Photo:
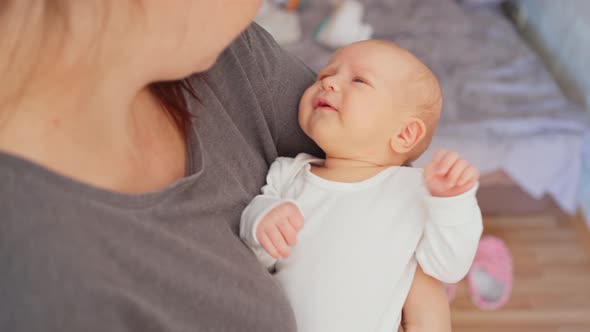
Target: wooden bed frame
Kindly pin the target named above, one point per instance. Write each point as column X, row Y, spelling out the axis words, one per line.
column 498, row 194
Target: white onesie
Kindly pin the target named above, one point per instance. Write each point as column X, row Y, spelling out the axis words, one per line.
column 356, row 255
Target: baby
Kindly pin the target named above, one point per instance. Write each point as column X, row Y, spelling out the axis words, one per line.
column 345, row 234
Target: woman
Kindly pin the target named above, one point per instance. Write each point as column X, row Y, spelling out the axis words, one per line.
column 123, row 182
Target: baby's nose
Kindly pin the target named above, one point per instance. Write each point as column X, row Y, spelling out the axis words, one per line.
column 329, row 83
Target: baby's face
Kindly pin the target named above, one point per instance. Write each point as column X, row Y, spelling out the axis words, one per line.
column 353, row 107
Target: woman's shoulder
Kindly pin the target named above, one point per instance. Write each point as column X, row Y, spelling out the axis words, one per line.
column 258, row 85
column 256, row 49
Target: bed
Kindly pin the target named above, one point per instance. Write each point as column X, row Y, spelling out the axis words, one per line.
column 502, row 108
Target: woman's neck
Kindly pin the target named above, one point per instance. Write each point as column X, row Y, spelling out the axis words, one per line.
column 82, row 130
column 54, row 109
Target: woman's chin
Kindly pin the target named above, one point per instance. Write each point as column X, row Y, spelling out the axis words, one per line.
column 203, row 65
column 207, row 63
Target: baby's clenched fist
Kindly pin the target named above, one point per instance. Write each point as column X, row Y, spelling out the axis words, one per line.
column 449, row 175
column 277, row 231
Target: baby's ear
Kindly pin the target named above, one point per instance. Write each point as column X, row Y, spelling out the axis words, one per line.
column 411, row 132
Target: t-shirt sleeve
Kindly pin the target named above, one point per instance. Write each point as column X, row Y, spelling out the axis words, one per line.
column 286, row 78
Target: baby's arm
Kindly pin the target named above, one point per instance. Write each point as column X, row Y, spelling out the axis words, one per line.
column 426, row 307
column 453, row 224
column 269, row 224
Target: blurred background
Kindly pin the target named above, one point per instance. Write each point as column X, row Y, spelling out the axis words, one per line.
column 516, row 86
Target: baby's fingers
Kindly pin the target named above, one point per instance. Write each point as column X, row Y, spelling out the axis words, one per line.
column 471, row 174
column 438, row 155
column 278, row 241
column 456, row 171
column 446, row 162
column 296, row 220
column 266, row 243
column 429, row 171
column 289, row 233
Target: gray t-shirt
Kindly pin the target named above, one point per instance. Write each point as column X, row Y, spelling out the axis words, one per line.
column 77, row 258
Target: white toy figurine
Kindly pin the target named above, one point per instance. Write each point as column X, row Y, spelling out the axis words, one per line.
column 283, row 25
column 344, row 26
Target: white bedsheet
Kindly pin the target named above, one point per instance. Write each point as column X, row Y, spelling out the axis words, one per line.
column 549, row 164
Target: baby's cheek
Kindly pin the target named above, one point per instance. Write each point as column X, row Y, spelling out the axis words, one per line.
column 305, row 98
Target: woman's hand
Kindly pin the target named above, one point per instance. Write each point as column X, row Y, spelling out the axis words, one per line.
column 449, row 175
column 278, row 230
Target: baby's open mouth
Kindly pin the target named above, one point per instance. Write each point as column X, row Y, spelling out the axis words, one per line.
column 324, row 104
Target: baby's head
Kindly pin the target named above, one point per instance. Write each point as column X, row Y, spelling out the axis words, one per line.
column 373, row 101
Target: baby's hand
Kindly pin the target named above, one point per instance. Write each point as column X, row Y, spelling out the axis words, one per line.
column 278, row 229
column 449, row 175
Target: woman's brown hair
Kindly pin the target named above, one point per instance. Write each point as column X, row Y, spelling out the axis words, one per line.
column 173, row 95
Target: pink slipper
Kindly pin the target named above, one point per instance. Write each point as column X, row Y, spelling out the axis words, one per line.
column 451, row 290
column 490, row 277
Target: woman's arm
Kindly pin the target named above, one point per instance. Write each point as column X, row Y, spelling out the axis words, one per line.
column 426, row 307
